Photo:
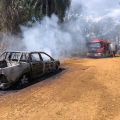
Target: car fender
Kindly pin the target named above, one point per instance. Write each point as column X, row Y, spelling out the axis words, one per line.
column 14, row 72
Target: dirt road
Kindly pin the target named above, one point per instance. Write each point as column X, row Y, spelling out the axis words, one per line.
column 88, row 89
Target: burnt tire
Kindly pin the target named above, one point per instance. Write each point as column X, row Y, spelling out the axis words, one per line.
column 4, row 83
column 3, row 79
column 24, row 79
column 56, row 69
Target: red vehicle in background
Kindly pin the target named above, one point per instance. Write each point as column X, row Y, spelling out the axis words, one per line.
column 101, row 48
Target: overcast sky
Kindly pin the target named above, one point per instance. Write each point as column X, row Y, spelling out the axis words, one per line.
column 98, row 7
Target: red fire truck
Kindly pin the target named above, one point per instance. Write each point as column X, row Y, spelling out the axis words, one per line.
column 101, row 48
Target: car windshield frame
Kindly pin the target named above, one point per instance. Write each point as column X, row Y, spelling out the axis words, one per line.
column 11, row 56
column 3, row 56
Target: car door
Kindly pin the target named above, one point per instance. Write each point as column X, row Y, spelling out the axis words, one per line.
column 36, row 65
column 48, row 61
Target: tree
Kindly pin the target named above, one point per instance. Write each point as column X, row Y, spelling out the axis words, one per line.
column 16, row 12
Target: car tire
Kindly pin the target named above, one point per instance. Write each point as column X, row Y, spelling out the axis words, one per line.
column 57, row 68
column 4, row 80
column 24, row 79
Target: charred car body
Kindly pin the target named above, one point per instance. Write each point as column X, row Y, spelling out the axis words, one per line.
column 17, row 67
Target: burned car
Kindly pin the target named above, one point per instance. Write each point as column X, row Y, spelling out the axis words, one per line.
column 18, row 67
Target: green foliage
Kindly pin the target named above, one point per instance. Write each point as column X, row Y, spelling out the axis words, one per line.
column 16, row 12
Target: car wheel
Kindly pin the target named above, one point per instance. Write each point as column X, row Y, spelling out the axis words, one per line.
column 22, row 81
column 56, row 68
column 4, row 83
column 103, row 55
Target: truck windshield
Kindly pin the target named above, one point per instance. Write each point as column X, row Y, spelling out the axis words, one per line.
column 94, row 45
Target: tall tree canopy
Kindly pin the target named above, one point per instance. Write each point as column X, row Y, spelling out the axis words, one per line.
column 16, row 12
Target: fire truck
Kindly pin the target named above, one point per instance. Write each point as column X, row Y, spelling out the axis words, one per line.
column 101, row 48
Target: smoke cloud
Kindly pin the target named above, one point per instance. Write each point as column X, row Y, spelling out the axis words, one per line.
column 85, row 20
column 58, row 39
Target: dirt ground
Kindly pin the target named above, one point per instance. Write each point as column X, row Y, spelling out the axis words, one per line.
column 86, row 89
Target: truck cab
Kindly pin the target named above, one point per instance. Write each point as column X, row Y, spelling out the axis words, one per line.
column 99, row 48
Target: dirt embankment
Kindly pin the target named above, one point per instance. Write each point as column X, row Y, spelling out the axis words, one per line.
column 88, row 89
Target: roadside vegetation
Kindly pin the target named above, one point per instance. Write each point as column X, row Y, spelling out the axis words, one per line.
column 18, row 12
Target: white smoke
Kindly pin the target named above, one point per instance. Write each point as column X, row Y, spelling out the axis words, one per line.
column 9, row 42
column 47, row 36
column 86, row 19
column 58, row 39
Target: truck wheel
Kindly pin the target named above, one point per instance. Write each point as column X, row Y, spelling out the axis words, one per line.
column 103, row 55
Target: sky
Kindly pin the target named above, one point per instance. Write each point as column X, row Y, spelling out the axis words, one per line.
column 98, row 7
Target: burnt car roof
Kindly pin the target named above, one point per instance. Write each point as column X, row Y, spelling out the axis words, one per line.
column 23, row 52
